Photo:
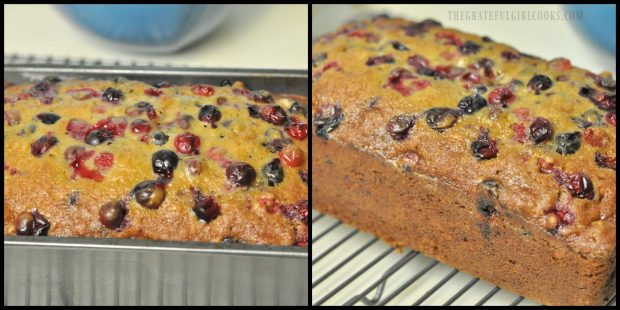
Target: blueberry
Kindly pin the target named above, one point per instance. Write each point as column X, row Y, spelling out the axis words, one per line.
column 209, row 114
column 568, row 143
column 240, row 174
column 469, row 47
column 98, row 136
column 164, row 162
column 48, row 118
column 399, row 126
column 273, row 172
column 327, row 119
column 472, row 104
column 112, row 95
column 539, row 83
column 111, row 214
column 441, row 118
column 160, row 138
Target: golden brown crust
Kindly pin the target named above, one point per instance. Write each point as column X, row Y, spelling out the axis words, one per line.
column 70, row 201
column 410, row 95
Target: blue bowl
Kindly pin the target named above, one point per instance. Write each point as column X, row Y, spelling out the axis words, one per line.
column 599, row 23
column 161, row 27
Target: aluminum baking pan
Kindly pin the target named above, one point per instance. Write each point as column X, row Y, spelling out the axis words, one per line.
column 94, row 271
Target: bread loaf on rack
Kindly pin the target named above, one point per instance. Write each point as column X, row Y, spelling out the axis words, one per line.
column 124, row 159
column 493, row 161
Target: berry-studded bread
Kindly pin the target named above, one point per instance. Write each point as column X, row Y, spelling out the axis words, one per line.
column 124, row 159
column 496, row 162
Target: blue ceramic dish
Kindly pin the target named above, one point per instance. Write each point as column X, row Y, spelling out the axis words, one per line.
column 599, row 23
column 157, row 27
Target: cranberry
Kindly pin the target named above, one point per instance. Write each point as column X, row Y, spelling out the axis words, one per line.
column 205, row 207
column 611, row 118
column 140, row 108
column 82, row 93
column 187, row 144
column 240, row 174
column 221, row 100
column 153, row 92
column 113, row 95
column 604, row 101
column 399, row 46
column 291, row 156
column 418, row 62
column 111, row 214
column 104, row 160
column 296, row 129
column 48, row 118
column 210, row 114
column 484, row 147
column 114, row 126
column 159, row 138
column 539, row 83
column 501, row 96
column 564, row 214
column 386, row 59
column 509, row 55
column 472, row 104
column 140, row 126
column 327, row 119
column 520, row 132
column 296, row 211
column 441, row 118
column 568, row 143
column 164, row 162
column 471, row 77
column 560, row 64
column 469, row 47
column 149, row 194
column 273, row 114
column 42, row 145
column 540, row 130
column 77, row 155
column 273, row 172
column 580, row 186
column 450, row 38
column 605, row 162
column 203, row 90
column 399, row 125
column 265, row 96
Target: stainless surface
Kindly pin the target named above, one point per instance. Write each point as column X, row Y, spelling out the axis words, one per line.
column 350, row 267
column 89, row 271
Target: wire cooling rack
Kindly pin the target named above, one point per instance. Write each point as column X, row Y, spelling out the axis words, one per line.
column 350, row 267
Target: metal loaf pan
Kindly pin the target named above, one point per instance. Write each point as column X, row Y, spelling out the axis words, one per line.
column 92, row 271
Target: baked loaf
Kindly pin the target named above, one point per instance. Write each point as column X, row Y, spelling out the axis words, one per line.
column 496, row 162
column 124, row 159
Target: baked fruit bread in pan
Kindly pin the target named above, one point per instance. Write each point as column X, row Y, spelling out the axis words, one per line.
column 493, row 161
column 124, row 159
